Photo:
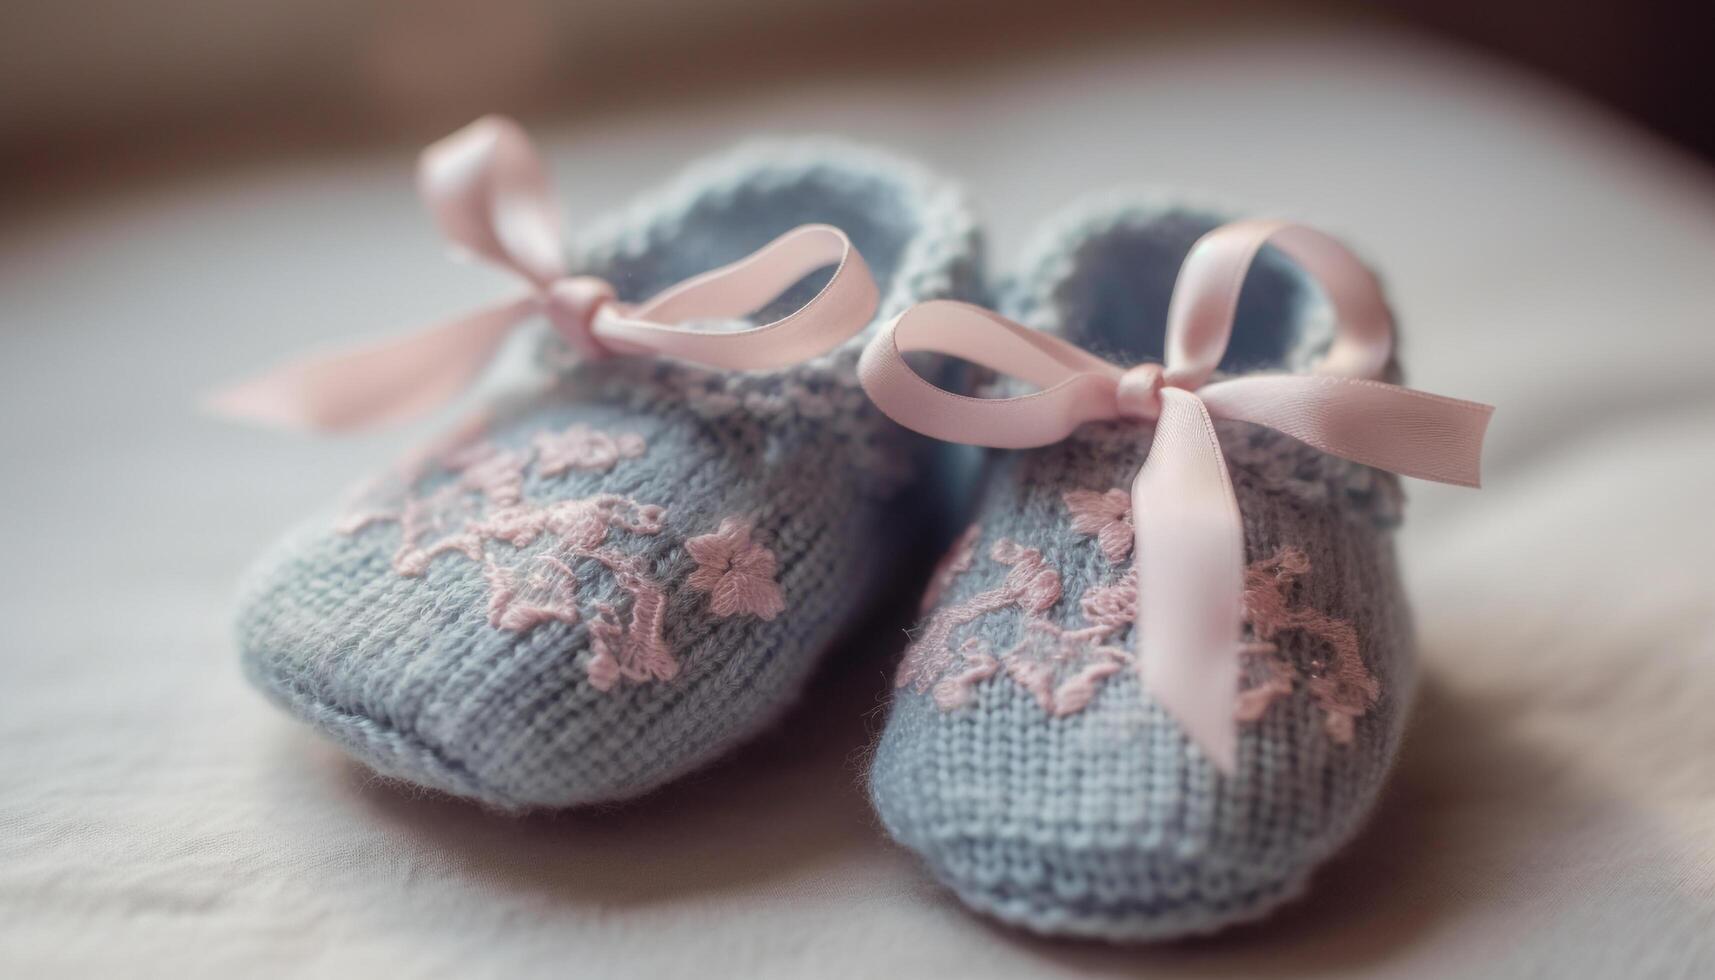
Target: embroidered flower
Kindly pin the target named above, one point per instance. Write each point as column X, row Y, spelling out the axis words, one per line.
column 540, row 589
column 543, row 587
column 474, row 506
column 1034, row 586
column 736, row 572
column 1107, row 516
column 955, row 690
column 1063, row 666
column 583, row 448
column 497, row 474
column 1030, row 586
column 1060, row 667
column 1113, row 605
column 437, row 524
column 1335, row 674
column 517, row 525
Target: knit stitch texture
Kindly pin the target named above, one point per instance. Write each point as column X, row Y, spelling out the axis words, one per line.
column 605, row 583
column 1022, row 761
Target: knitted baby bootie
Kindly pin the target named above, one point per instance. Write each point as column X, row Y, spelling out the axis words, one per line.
column 1088, row 738
column 600, row 585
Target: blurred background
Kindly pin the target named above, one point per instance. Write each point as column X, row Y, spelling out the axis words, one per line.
column 100, row 88
column 193, row 189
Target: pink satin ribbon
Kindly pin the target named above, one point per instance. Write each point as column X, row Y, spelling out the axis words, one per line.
column 1190, row 546
column 489, row 191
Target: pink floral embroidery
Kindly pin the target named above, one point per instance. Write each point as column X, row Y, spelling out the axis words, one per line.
column 736, row 572
column 581, row 525
column 1107, row 516
column 1337, row 678
column 957, row 561
column 1030, row 581
column 531, row 553
column 1063, row 667
column 583, row 448
column 1271, row 680
column 1060, row 667
column 1113, row 605
column 444, row 519
column 437, row 521
column 543, row 590
column 435, row 525
column 495, row 473
column 635, row 651
column 543, row 586
column 954, row 690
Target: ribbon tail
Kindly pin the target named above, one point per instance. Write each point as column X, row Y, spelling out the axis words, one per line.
column 1190, row 566
column 1402, row 430
column 375, row 384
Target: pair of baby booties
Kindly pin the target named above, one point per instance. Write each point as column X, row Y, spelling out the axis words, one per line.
column 693, row 539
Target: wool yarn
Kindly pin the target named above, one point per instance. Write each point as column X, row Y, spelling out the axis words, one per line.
column 1020, row 758
column 600, row 585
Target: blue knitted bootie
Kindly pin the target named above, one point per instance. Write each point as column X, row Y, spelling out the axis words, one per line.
column 1023, row 759
column 604, row 583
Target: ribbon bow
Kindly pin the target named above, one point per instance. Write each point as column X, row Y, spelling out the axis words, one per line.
column 1190, row 546
column 488, row 190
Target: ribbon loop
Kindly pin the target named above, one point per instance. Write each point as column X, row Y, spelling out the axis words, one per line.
column 843, row 307
column 1190, row 547
column 1205, row 300
column 1077, row 387
column 488, row 190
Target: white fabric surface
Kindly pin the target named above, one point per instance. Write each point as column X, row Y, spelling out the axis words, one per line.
column 1554, row 812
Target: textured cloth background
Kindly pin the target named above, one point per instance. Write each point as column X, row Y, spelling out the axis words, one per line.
column 1554, row 809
